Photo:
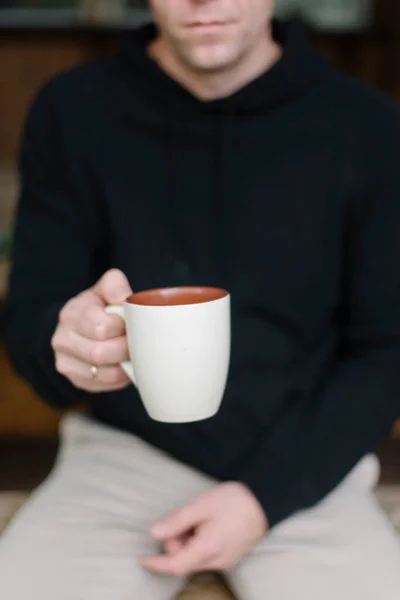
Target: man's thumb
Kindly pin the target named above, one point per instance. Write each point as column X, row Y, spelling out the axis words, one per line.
column 113, row 287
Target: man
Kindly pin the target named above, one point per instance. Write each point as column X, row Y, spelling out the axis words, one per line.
column 215, row 148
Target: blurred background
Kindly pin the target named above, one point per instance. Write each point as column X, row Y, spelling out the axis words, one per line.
column 40, row 37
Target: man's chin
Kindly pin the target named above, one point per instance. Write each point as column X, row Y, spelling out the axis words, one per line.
column 208, row 62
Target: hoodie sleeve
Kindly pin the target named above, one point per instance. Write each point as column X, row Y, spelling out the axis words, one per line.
column 357, row 401
column 54, row 249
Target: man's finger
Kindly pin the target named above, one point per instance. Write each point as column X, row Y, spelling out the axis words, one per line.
column 109, row 352
column 176, row 544
column 95, row 324
column 113, row 287
column 192, row 558
column 72, row 311
column 178, row 522
column 173, row 546
column 108, row 378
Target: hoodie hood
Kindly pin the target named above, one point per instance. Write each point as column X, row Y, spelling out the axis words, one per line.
column 174, row 115
column 299, row 68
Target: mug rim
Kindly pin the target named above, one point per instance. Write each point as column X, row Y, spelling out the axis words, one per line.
column 177, row 296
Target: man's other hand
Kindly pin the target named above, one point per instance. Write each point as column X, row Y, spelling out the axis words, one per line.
column 212, row 533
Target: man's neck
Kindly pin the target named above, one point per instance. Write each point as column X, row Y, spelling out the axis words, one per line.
column 221, row 84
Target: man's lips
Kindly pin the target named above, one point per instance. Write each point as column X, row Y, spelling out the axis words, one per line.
column 208, row 24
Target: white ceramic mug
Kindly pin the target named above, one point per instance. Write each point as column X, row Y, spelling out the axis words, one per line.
column 179, row 343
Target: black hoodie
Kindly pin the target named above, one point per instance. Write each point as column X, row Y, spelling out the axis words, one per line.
column 287, row 193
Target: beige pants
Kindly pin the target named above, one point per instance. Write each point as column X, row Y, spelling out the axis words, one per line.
column 81, row 535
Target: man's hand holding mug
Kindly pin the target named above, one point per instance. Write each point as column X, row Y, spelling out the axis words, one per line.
column 90, row 344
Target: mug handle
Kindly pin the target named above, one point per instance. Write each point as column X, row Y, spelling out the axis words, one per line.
column 126, row 366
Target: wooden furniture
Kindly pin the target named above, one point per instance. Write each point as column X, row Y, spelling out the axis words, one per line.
column 22, row 412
